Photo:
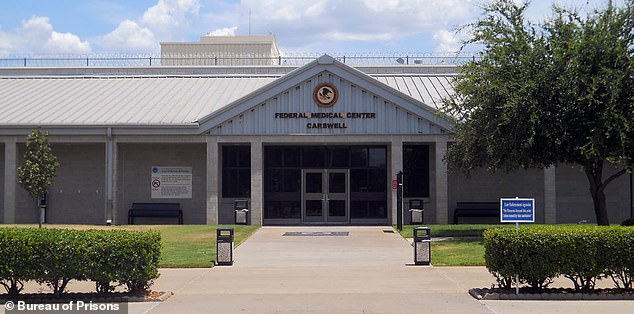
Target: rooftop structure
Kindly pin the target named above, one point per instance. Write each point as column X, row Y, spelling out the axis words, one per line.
column 222, row 50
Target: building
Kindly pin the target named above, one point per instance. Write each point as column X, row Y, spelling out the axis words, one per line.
column 222, row 50
column 316, row 144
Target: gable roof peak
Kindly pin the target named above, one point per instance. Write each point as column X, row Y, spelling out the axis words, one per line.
column 326, row 59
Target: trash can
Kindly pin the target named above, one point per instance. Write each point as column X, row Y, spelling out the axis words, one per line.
column 241, row 209
column 422, row 246
column 416, row 211
column 224, row 246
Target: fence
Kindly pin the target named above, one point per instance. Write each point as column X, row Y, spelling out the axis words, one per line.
column 149, row 61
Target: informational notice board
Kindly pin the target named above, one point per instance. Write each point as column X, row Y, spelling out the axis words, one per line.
column 517, row 210
column 171, row 182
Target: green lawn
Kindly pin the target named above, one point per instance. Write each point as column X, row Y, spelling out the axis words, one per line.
column 187, row 246
column 450, row 230
column 458, row 252
column 464, row 247
column 184, row 246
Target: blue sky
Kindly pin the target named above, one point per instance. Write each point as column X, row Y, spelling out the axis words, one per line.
column 312, row 26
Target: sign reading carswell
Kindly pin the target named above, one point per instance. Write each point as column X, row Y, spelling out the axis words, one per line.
column 326, row 115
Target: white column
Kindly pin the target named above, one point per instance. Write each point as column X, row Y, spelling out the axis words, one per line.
column 212, row 180
column 257, row 201
column 396, row 160
column 10, row 174
column 442, row 209
column 109, row 204
column 550, row 195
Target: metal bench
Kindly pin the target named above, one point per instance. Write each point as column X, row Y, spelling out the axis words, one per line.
column 154, row 210
column 476, row 209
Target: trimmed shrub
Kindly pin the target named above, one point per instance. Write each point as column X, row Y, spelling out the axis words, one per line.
column 57, row 256
column 628, row 222
column 18, row 262
column 537, row 254
column 509, row 253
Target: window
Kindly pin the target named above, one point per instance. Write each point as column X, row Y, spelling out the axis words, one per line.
column 415, row 171
column 236, row 171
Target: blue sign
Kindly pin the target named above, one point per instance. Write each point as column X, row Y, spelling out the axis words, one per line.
column 517, row 210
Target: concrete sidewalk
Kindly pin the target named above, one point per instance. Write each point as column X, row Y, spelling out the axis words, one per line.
column 368, row 271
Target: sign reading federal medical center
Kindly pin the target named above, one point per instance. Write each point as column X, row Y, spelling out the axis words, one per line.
column 517, row 210
column 171, row 182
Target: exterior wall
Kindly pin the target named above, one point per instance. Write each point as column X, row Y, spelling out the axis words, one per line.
column 482, row 186
column 574, row 202
column 1, row 183
column 133, row 179
column 390, row 118
column 77, row 196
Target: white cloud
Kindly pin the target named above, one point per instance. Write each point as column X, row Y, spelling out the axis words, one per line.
column 67, row 43
column 324, row 22
column 129, row 37
column 37, row 36
column 225, row 31
column 446, row 41
column 168, row 17
column 165, row 21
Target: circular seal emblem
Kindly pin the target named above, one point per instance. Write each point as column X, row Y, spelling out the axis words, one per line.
column 325, row 95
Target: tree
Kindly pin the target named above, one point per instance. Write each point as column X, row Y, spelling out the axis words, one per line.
column 39, row 167
column 558, row 92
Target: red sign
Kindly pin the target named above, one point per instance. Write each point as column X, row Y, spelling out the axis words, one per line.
column 394, row 184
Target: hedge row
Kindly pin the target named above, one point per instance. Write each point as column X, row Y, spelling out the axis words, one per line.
column 583, row 254
column 57, row 256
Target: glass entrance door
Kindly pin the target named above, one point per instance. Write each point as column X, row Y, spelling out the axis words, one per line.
column 325, row 196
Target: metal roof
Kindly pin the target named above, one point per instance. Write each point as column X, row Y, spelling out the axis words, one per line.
column 118, row 100
column 163, row 101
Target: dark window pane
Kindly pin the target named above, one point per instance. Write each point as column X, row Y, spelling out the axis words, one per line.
column 313, row 208
column 377, row 157
column 274, row 180
column 314, row 157
column 244, row 183
column 358, row 180
column 416, row 171
column 229, row 157
column 314, row 182
column 229, row 182
column 339, row 157
column 281, row 210
column 336, row 208
column 273, row 157
column 292, row 156
column 359, row 157
column 378, row 180
column 377, row 209
column 336, row 183
column 272, row 209
column 358, row 209
column 421, row 156
column 292, row 178
column 243, row 156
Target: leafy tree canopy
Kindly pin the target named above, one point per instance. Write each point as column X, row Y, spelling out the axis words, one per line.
column 38, row 170
column 561, row 91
